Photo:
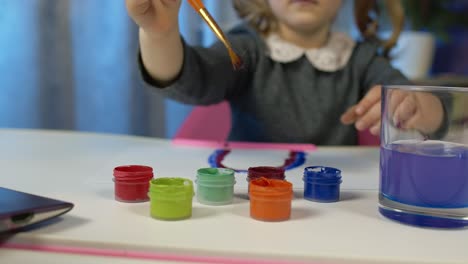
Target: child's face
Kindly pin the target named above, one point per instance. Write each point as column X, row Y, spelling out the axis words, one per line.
column 305, row 15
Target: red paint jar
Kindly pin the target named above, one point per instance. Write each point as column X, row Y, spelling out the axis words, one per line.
column 265, row 172
column 132, row 183
column 270, row 199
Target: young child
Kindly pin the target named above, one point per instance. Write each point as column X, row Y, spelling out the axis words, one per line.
column 300, row 82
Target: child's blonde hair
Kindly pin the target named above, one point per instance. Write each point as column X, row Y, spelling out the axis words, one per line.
column 259, row 15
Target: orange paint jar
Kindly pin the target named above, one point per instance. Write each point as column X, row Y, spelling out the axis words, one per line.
column 270, row 200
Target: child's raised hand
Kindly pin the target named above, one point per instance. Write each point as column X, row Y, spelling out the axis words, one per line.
column 156, row 18
column 407, row 110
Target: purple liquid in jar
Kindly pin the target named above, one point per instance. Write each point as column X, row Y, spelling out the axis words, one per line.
column 425, row 173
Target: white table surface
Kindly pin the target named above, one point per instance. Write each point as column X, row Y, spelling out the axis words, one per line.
column 77, row 167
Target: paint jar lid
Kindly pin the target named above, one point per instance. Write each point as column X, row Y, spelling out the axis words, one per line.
column 215, row 174
column 215, row 177
column 133, row 173
column 171, row 188
column 321, row 174
column 271, row 188
column 266, row 172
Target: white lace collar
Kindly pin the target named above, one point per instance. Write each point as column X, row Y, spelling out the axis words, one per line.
column 332, row 57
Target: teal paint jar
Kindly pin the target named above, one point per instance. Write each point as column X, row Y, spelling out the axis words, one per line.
column 171, row 198
column 215, row 186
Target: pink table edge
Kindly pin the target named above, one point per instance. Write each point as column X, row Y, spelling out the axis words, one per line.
column 141, row 255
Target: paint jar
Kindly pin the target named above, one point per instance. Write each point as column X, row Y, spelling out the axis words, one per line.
column 171, row 198
column 131, row 183
column 215, row 186
column 265, row 172
column 322, row 184
column 270, row 199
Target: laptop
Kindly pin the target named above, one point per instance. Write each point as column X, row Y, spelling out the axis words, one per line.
column 19, row 209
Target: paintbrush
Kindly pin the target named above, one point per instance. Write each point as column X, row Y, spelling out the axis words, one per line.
column 203, row 12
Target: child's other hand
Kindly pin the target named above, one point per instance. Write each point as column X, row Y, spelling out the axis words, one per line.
column 365, row 114
column 156, row 18
column 407, row 110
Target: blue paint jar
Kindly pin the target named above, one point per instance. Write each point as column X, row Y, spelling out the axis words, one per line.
column 322, row 184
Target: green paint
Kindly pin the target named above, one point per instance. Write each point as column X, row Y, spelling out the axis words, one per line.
column 215, row 186
column 171, row 198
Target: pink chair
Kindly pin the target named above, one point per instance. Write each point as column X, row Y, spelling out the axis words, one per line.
column 214, row 123
column 207, row 123
column 365, row 138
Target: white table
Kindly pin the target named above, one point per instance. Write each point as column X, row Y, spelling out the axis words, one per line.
column 77, row 167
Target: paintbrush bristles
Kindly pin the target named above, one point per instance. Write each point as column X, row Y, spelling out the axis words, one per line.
column 196, row 4
column 236, row 61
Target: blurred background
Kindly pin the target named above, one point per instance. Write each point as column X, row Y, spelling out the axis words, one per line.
column 71, row 64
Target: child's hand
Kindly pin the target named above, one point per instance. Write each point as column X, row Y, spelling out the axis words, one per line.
column 155, row 17
column 407, row 110
column 365, row 114
column 421, row 111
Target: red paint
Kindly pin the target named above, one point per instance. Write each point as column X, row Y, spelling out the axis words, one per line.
column 276, row 173
column 132, row 183
column 266, row 172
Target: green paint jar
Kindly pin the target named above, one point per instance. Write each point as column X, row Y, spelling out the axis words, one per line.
column 215, row 186
column 171, row 198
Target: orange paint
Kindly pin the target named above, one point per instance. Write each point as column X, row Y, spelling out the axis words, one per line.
column 270, row 200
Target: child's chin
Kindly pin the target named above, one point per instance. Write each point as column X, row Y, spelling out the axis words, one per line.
column 305, row 2
column 306, row 24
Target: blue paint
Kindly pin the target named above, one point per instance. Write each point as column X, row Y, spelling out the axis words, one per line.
column 296, row 159
column 322, row 184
